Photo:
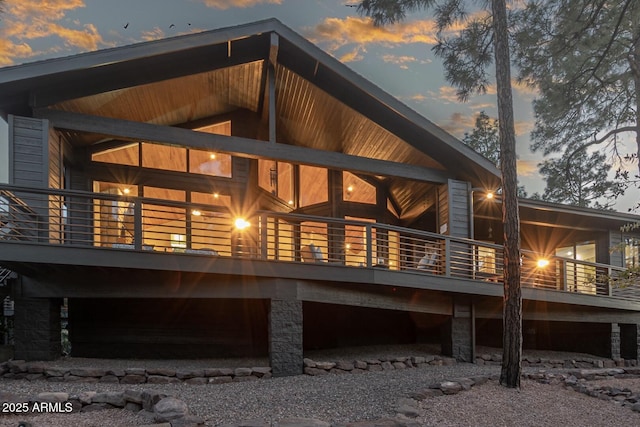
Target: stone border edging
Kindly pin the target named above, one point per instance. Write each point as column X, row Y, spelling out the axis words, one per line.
column 32, row 371
column 315, row 368
column 151, row 406
column 579, row 382
column 537, row 362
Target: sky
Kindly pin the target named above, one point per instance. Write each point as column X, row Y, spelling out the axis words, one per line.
column 396, row 58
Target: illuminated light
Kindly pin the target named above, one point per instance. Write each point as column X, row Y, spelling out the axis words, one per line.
column 291, row 202
column 216, row 195
column 126, row 191
column 212, row 156
column 196, row 212
column 241, row 223
column 490, row 195
column 570, row 253
column 350, row 188
column 348, row 246
column 542, row 263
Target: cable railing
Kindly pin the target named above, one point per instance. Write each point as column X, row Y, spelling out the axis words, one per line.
column 75, row 218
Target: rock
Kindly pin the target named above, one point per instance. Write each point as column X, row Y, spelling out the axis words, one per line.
column 135, row 371
column 399, row 365
column 374, row 368
column 386, row 366
column 245, row 379
column 261, row 372
column 218, row 372
column 86, row 397
column 161, row 379
column 149, row 400
column 111, row 379
column 345, row 366
column 249, row 423
column 242, row 372
column 426, row 393
column 133, row 407
column 33, row 377
column 325, row 365
column 52, row 397
column 55, row 372
column 479, row 380
column 185, row 374
column 302, row 422
column 188, row 421
column 116, row 372
column 337, row 371
column 35, row 368
column 360, row 364
column 309, row 363
column 315, row 371
column 169, row 409
column 409, row 411
column 162, row 371
column 134, row 396
column 450, row 387
column 112, row 398
column 88, row 372
column 133, row 379
column 418, row 359
column 373, row 362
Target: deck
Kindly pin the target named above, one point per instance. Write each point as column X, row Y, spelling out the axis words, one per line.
column 72, row 234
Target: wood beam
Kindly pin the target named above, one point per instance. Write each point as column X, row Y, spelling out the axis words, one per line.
column 241, row 147
column 271, row 72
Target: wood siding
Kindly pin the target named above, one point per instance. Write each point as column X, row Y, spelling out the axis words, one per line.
column 28, row 153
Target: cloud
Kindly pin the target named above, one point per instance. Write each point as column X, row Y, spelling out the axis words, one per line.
column 155, row 34
column 361, row 31
column 353, row 55
column 523, row 127
column 228, row 4
column 457, row 124
column 448, row 94
column 27, row 21
column 527, row 167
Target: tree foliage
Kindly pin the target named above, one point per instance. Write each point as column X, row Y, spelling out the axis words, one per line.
column 468, row 55
column 580, row 181
column 584, row 58
column 484, row 138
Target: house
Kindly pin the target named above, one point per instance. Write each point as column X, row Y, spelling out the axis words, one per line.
column 241, row 192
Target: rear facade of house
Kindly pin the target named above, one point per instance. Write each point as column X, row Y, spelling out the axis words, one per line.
column 239, row 192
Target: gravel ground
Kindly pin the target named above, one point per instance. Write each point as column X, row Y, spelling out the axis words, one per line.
column 339, row 398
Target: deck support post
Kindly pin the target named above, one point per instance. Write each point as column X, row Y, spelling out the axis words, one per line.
column 285, row 337
column 615, row 341
column 458, row 335
column 37, row 328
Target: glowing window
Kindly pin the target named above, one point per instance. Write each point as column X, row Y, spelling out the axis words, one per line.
column 124, row 155
column 210, row 163
column 276, row 178
column 355, row 189
column 314, row 187
column 212, row 198
column 164, row 157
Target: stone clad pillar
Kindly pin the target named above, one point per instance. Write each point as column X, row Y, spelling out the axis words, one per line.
column 285, row 337
column 37, row 328
column 630, row 341
column 458, row 338
column 615, row 341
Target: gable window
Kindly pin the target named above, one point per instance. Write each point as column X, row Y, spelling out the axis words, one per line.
column 277, row 179
column 355, row 189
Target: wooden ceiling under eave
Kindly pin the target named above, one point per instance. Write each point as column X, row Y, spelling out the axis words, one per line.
column 175, row 101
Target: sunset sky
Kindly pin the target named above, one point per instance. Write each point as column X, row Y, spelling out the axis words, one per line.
column 397, row 58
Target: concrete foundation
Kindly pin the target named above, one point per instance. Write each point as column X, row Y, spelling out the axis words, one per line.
column 458, row 334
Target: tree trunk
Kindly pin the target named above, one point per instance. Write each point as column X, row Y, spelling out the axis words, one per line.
column 512, row 304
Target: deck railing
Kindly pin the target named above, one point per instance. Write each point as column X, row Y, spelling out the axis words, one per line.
column 61, row 217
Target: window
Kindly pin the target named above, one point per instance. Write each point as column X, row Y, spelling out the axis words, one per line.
column 631, row 252
column 164, row 157
column 277, row 179
column 314, row 187
column 210, row 163
column 124, row 155
column 355, row 189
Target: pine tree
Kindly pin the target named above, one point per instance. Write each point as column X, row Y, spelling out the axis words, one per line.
column 467, row 57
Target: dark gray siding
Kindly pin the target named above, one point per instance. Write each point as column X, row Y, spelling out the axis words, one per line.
column 28, row 152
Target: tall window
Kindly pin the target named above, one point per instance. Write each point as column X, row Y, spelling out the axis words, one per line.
column 631, row 252
column 314, row 187
column 355, row 189
column 277, row 178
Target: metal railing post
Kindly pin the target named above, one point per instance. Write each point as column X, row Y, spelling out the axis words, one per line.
column 264, row 247
column 447, row 257
column 137, row 224
column 369, row 245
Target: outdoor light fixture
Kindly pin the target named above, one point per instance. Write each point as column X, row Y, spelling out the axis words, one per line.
column 241, row 223
column 542, row 263
column 212, row 156
column 216, row 195
column 350, row 189
column 196, row 212
column 126, row 191
column 489, row 195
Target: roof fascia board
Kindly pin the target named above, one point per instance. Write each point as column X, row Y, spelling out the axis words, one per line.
column 135, row 51
column 243, row 147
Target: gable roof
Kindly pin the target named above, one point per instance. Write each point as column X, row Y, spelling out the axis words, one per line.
column 189, row 77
